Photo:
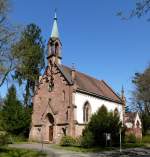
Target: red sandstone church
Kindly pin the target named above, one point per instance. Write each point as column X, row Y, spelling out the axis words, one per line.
column 65, row 98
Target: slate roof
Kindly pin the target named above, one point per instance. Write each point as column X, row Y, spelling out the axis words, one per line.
column 90, row 85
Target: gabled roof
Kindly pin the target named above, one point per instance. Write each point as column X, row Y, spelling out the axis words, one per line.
column 90, row 85
column 67, row 75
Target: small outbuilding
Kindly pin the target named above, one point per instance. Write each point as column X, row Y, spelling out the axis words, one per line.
column 133, row 124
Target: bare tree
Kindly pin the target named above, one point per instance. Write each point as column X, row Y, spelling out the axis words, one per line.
column 7, row 37
column 141, row 8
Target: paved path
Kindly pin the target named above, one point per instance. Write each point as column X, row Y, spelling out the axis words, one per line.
column 51, row 152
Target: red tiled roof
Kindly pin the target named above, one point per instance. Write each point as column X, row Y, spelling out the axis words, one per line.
column 91, row 85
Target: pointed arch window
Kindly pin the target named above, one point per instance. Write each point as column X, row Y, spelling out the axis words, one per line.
column 52, row 49
column 67, row 115
column 116, row 112
column 56, row 48
column 137, row 124
column 86, row 112
column 63, row 95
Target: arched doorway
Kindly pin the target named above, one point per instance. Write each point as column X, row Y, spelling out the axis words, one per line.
column 50, row 126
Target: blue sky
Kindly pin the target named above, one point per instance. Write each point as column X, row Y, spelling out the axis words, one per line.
column 93, row 37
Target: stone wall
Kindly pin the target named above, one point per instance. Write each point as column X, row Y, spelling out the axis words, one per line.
column 134, row 131
column 58, row 103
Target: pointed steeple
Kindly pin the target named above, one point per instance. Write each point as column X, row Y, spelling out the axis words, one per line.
column 55, row 32
column 122, row 93
column 54, row 44
column 123, row 102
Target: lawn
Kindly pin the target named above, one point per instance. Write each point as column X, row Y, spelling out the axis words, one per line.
column 144, row 143
column 98, row 149
column 81, row 149
column 13, row 152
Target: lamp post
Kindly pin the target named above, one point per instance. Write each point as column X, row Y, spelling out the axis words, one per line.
column 120, row 136
column 120, row 140
column 42, row 137
column 41, row 133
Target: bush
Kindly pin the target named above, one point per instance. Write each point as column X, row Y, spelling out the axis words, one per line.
column 130, row 138
column 68, row 141
column 16, row 139
column 102, row 122
column 78, row 141
column 13, row 152
column 4, row 139
column 146, row 139
column 87, row 140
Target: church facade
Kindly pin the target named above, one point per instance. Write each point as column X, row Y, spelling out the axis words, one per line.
column 65, row 98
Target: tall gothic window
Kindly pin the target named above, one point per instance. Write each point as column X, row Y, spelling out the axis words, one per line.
column 116, row 111
column 67, row 115
column 86, row 112
column 63, row 95
column 137, row 124
column 56, row 48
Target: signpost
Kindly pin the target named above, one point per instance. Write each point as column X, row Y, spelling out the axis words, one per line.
column 120, row 141
column 41, row 132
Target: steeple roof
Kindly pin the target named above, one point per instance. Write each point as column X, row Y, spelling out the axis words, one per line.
column 55, row 32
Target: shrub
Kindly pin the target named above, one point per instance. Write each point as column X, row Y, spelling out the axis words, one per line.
column 4, row 139
column 102, row 122
column 68, row 141
column 130, row 138
column 15, row 138
column 78, row 141
column 14, row 152
column 146, row 139
column 87, row 140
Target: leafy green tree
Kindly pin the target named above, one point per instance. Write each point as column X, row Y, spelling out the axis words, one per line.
column 142, row 90
column 141, row 96
column 29, row 53
column 102, row 122
column 15, row 119
column 1, row 104
column 145, row 123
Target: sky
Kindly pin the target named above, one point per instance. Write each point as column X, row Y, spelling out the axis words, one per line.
column 97, row 41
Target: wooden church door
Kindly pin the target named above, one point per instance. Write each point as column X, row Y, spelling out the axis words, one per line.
column 50, row 133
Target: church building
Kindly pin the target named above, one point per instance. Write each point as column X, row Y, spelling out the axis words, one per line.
column 65, row 98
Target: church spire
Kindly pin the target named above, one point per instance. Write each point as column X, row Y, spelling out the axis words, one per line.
column 122, row 93
column 54, row 44
column 123, row 102
column 55, row 32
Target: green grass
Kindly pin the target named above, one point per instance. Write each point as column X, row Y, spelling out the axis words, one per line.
column 81, row 149
column 146, row 139
column 13, row 152
column 133, row 145
column 144, row 143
